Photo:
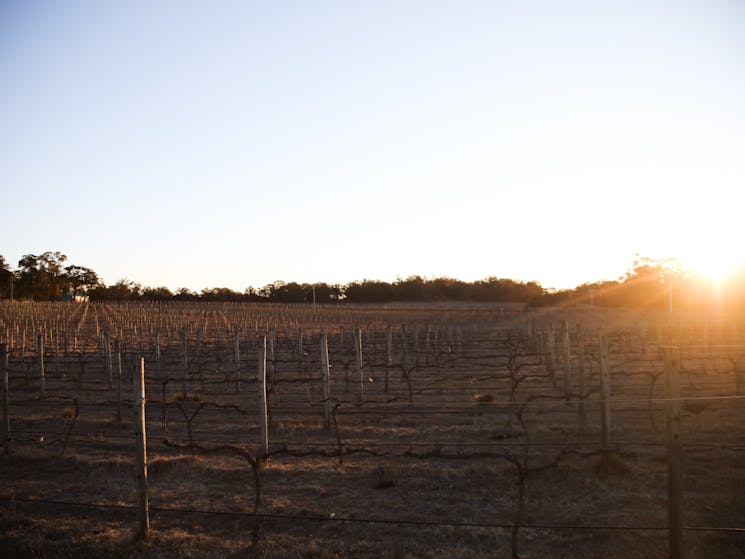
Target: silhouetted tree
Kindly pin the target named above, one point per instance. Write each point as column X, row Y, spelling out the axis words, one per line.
column 185, row 294
column 220, row 294
column 369, row 291
column 81, row 279
column 157, row 294
column 41, row 277
column 123, row 290
column 6, row 277
column 324, row 292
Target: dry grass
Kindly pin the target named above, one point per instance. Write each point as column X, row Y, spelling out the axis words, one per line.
column 472, row 481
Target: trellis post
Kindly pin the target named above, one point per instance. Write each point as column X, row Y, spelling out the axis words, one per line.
column 358, row 359
column 674, row 460
column 185, row 363
column 326, row 388
column 143, row 512
column 39, row 352
column 567, row 358
column 263, row 427
column 237, row 359
column 605, row 396
column 581, row 380
column 118, row 352
column 6, row 397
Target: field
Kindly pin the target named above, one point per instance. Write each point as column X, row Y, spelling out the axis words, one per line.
column 447, row 431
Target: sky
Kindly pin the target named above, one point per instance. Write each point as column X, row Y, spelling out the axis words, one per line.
column 233, row 144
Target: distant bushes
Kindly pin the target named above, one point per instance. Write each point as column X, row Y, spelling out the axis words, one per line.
column 646, row 285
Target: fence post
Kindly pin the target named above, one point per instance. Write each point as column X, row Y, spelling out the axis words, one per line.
column 551, row 353
column 39, row 351
column 65, row 344
column 358, row 359
column 388, row 355
column 674, row 461
column 6, row 397
column 237, row 359
column 263, row 430
column 581, row 381
column 301, row 364
column 326, row 381
column 272, row 360
column 604, row 396
column 300, row 350
column 404, row 372
column 107, row 358
column 143, row 512
column 426, row 345
column 157, row 355
column 566, row 347
column 185, row 361
column 118, row 351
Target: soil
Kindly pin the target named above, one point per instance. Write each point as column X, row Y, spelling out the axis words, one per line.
column 432, row 463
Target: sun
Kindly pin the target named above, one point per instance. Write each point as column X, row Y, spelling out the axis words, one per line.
column 716, row 265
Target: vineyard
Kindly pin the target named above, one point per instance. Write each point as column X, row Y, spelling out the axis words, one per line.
column 432, row 430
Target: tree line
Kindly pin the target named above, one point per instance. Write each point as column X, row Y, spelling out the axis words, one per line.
column 648, row 284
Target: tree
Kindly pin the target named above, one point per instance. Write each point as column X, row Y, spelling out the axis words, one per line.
column 157, row 294
column 123, row 290
column 281, row 292
column 185, row 294
column 368, row 291
column 324, row 292
column 6, row 277
column 81, row 279
column 223, row 294
column 41, row 277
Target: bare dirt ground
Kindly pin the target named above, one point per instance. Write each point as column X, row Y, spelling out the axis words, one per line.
column 475, row 448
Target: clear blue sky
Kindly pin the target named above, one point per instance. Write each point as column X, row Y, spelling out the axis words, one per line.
column 206, row 144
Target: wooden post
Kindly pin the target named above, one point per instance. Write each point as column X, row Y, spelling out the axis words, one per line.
column 143, row 512
column 157, row 356
column 107, row 358
column 404, row 371
column 705, row 337
column 426, row 346
column 56, row 352
column 300, row 351
column 567, row 357
column 263, row 429
column 358, row 358
column 272, row 361
column 326, row 388
column 581, row 381
column 605, row 396
column 39, row 351
column 674, row 460
column 388, row 355
column 551, row 354
column 237, row 360
column 6, row 397
column 118, row 352
column 185, row 362
column 65, row 344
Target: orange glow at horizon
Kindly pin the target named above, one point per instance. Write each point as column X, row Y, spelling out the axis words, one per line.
column 717, row 266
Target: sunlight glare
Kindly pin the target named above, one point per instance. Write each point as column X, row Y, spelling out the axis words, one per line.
column 716, row 265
